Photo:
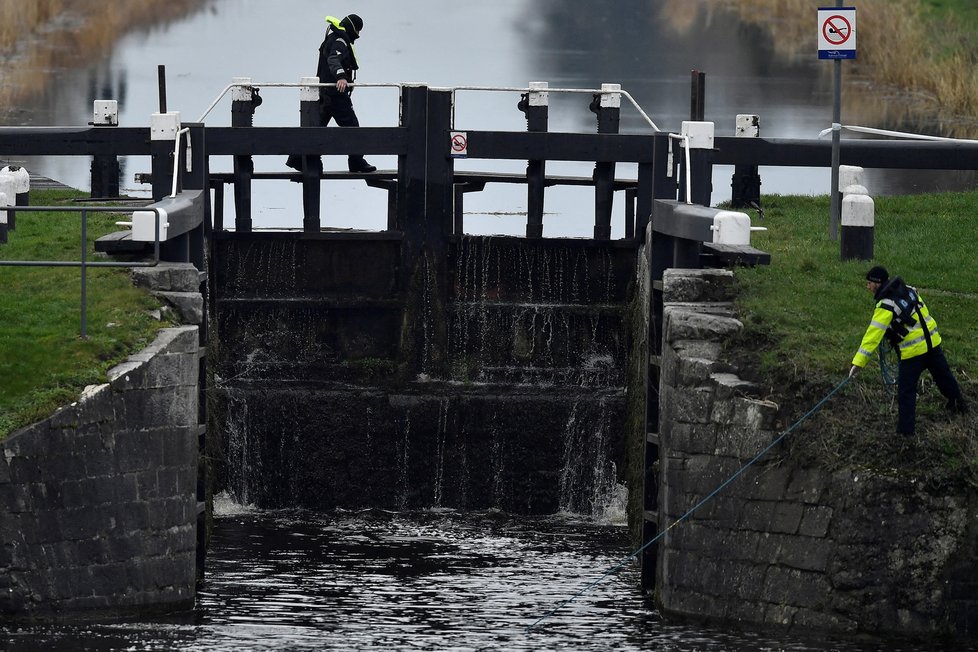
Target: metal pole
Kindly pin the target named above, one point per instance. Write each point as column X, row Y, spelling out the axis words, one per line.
column 161, row 77
column 84, row 275
column 835, row 196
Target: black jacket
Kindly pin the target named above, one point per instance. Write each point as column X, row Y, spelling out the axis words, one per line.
column 336, row 59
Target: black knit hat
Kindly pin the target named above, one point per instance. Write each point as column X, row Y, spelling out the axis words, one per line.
column 877, row 275
column 352, row 24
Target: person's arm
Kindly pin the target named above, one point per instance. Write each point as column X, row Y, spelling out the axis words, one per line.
column 872, row 337
column 334, row 59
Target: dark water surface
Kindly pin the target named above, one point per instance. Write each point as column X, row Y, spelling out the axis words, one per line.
column 297, row 580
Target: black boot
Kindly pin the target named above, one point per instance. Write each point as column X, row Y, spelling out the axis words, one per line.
column 359, row 164
column 294, row 162
column 957, row 406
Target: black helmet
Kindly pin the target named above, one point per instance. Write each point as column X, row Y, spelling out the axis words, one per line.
column 352, row 24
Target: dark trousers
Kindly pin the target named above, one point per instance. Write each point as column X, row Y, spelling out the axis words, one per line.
column 910, row 371
column 339, row 108
column 331, row 107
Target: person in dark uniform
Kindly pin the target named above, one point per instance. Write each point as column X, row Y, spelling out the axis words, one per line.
column 338, row 65
column 903, row 318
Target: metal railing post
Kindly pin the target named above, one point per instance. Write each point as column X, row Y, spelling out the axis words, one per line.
column 745, row 186
column 535, row 105
column 607, row 106
column 105, row 167
column 312, row 166
column 244, row 100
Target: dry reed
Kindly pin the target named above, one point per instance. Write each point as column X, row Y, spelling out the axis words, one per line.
column 898, row 48
column 32, row 41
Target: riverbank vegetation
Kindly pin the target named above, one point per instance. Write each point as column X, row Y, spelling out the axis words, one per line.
column 38, row 37
column 44, row 363
column 805, row 315
column 915, row 52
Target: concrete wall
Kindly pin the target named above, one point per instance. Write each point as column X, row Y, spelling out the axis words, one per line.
column 98, row 508
column 782, row 544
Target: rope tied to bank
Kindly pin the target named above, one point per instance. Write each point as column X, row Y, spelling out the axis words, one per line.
column 614, row 569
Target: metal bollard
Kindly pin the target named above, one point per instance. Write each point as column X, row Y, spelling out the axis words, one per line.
column 745, row 186
column 21, row 188
column 3, row 218
column 7, row 198
column 535, row 105
column 244, row 100
column 607, row 106
column 858, row 223
column 310, row 115
column 105, row 167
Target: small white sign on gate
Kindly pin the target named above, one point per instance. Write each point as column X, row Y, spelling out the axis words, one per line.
column 460, row 144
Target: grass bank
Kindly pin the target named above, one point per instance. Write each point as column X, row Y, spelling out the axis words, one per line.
column 44, row 363
column 805, row 314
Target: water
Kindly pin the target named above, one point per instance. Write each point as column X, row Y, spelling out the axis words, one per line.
column 648, row 47
column 440, row 580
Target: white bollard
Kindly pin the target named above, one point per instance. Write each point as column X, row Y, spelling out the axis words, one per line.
column 3, row 218
column 21, row 189
column 858, row 224
column 7, row 198
column 850, row 175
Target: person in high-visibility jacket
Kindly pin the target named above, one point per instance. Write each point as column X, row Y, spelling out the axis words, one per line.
column 903, row 318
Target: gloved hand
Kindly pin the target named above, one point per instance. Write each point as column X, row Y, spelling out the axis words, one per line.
column 853, row 370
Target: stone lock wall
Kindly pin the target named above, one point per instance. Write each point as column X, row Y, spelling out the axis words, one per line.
column 781, row 544
column 98, row 507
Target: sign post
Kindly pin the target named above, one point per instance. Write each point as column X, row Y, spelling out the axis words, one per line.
column 836, row 41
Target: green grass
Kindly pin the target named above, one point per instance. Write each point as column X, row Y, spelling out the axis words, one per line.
column 44, row 363
column 805, row 314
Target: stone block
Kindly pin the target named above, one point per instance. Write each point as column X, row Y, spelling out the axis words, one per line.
column 776, row 517
column 188, row 305
column 794, row 587
column 780, row 614
column 692, row 405
column 175, row 277
column 16, row 498
column 4, row 467
column 138, row 450
column 698, row 285
column 132, row 516
column 683, row 324
column 822, row 621
column 25, row 470
column 815, row 521
column 153, row 408
column 693, row 372
column 180, row 446
column 741, row 443
column 694, row 438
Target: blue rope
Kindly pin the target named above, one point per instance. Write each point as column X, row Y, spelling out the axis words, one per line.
column 887, row 366
column 689, row 513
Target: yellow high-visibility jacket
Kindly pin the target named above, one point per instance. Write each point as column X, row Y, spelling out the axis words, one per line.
column 894, row 316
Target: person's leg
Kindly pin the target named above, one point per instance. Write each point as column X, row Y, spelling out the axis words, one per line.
column 325, row 115
column 941, row 372
column 345, row 116
column 907, row 377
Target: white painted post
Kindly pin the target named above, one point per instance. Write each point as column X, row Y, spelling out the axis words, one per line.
column 858, row 223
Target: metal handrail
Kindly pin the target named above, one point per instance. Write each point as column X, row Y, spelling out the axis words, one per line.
column 84, row 264
column 453, row 89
